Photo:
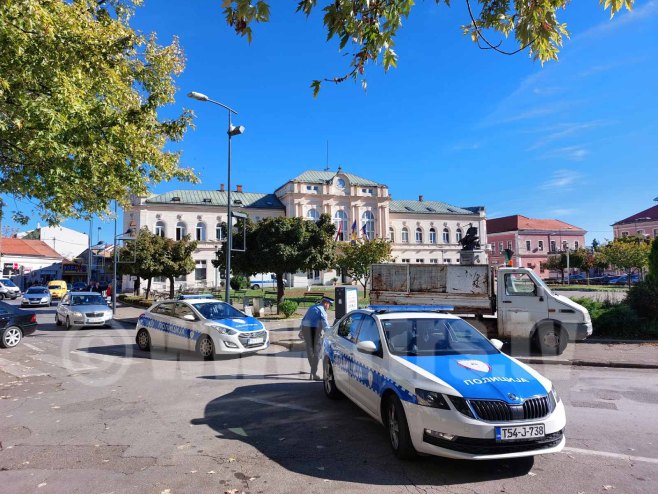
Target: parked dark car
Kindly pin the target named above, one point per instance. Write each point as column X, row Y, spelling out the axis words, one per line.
column 14, row 324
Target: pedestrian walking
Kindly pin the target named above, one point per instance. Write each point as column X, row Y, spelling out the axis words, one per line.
column 108, row 291
column 315, row 322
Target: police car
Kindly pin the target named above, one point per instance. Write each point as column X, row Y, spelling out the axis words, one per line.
column 201, row 324
column 439, row 386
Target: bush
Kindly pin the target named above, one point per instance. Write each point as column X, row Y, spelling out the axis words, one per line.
column 288, row 307
column 239, row 283
column 643, row 297
column 618, row 320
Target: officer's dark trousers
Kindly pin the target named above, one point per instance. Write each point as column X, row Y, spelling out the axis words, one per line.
column 313, row 342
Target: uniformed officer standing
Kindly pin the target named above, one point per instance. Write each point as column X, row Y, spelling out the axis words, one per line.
column 314, row 323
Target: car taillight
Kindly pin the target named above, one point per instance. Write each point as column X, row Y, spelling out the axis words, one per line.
column 33, row 319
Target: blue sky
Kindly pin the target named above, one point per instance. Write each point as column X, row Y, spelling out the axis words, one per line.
column 574, row 140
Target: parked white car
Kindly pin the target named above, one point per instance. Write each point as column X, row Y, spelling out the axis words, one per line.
column 440, row 387
column 8, row 289
column 203, row 325
column 79, row 309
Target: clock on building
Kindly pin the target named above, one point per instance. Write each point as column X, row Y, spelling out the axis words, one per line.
column 340, row 183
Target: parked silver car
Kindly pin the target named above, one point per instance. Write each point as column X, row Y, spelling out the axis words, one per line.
column 36, row 295
column 79, row 309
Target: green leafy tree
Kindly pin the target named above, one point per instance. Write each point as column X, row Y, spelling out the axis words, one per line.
column 626, row 253
column 177, row 260
column 355, row 259
column 368, row 28
column 555, row 263
column 80, row 97
column 282, row 245
column 142, row 257
column 653, row 262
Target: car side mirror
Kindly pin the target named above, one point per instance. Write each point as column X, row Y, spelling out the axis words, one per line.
column 540, row 292
column 496, row 343
column 189, row 317
column 367, row 347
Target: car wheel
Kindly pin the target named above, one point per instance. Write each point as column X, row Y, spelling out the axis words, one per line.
column 11, row 337
column 57, row 321
column 143, row 340
column 398, row 429
column 255, row 287
column 330, row 388
column 69, row 326
column 551, row 339
column 206, row 348
column 2, row 296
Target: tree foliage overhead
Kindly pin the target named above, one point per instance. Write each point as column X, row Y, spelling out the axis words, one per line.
column 356, row 258
column 627, row 253
column 79, row 98
column 367, row 28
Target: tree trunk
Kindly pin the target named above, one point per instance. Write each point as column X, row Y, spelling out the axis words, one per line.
column 148, row 287
column 280, row 289
column 171, row 286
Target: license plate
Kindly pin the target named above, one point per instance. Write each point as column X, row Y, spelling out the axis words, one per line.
column 95, row 319
column 255, row 341
column 519, row 432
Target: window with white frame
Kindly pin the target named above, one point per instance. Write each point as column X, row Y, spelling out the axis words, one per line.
column 528, row 245
column 159, row 229
column 313, row 214
column 419, row 235
column 367, row 192
column 201, row 232
column 406, row 260
column 420, row 261
column 458, row 235
column 218, row 231
column 447, row 261
column 180, row 230
column 446, row 236
column 540, row 245
column 200, row 270
column 340, row 221
column 434, row 261
column 624, row 234
column 553, row 246
column 405, row 235
column 312, row 189
column 502, row 247
column 509, row 244
column 432, row 236
column 576, row 244
column 655, row 232
column 391, row 234
column 368, row 220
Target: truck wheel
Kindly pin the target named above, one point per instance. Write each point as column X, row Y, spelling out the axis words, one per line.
column 551, row 339
column 398, row 429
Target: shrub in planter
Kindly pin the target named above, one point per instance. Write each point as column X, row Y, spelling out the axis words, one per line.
column 288, row 307
column 643, row 297
column 239, row 283
column 619, row 321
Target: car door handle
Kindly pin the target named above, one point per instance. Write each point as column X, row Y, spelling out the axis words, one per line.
column 507, row 301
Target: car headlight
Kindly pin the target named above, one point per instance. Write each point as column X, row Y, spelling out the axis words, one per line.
column 222, row 329
column 461, row 405
column 431, row 399
column 554, row 399
column 25, row 299
column 44, row 299
column 76, row 314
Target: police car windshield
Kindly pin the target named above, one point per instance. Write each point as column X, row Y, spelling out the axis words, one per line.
column 434, row 337
column 217, row 310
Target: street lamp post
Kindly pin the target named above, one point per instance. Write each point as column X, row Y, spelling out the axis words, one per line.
column 232, row 131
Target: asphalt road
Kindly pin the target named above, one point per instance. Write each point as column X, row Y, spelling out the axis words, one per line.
column 85, row 411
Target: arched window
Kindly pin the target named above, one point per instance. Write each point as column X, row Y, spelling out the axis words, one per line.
column 180, row 230
column 391, row 234
column 432, row 236
column 458, row 235
column 340, row 220
column 313, row 215
column 368, row 220
column 159, row 229
column 201, row 231
column 405, row 235
column 446, row 236
column 218, row 231
column 419, row 235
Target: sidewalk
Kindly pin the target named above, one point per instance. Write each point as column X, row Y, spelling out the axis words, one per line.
column 589, row 353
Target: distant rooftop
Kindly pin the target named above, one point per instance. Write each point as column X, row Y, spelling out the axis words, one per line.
column 217, row 198
column 519, row 222
column 650, row 214
column 427, row 207
column 321, row 177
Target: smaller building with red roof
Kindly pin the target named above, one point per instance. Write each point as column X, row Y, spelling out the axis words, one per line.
column 532, row 240
column 644, row 223
column 28, row 262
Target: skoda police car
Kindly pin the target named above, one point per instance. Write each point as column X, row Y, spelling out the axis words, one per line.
column 200, row 324
column 439, row 386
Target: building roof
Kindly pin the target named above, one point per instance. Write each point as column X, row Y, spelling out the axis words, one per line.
column 427, row 207
column 21, row 247
column 518, row 222
column 650, row 214
column 217, row 198
column 321, row 177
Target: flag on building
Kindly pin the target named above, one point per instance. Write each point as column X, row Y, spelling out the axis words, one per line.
column 354, row 230
column 339, row 233
column 364, row 231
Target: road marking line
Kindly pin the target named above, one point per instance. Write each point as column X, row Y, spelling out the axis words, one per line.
column 18, row 370
column 281, row 405
column 59, row 362
column 35, row 348
column 610, row 455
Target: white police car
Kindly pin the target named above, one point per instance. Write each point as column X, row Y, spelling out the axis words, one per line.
column 440, row 387
column 200, row 324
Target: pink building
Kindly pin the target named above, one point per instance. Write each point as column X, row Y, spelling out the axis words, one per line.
column 532, row 240
column 644, row 223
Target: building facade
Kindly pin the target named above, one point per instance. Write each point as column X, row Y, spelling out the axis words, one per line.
column 421, row 231
column 532, row 240
column 29, row 262
column 644, row 223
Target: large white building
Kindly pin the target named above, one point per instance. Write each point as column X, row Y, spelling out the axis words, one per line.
column 422, row 231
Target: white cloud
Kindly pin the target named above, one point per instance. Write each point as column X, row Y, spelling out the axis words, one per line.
column 561, row 212
column 562, row 180
column 571, row 153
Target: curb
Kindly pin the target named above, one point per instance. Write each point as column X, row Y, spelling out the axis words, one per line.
column 587, row 363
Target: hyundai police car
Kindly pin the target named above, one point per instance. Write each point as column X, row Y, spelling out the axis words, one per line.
column 440, row 387
column 200, row 324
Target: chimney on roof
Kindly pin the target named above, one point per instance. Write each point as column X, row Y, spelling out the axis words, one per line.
column 221, row 187
column 238, row 188
column 420, row 198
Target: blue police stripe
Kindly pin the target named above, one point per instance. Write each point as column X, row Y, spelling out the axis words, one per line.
column 505, row 380
column 243, row 324
column 174, row 329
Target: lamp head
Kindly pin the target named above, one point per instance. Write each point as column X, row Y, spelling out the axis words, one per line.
column 236, row 130
column 197, row 96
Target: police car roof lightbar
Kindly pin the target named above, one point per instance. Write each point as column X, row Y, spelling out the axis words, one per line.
column 412, row 308
column 198, row 295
